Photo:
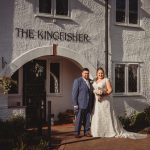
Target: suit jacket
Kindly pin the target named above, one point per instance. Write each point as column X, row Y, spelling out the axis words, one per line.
column 81, row 94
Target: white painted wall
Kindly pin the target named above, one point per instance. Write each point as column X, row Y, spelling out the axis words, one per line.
column 61, row 103
column 87, row 16
column 22, row 15
column 132, row 44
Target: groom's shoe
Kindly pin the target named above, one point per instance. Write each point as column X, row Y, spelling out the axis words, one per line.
column 77, row 136
column 88, row 134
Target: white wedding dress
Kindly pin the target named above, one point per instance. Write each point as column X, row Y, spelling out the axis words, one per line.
column 104, row 122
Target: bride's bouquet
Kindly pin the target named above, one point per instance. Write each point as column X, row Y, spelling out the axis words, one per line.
column 100, row 92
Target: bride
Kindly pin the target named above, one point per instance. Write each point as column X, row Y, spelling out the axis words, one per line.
column 104, row 121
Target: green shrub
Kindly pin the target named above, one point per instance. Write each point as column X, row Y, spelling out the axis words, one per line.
column 43, row 145
column 147, row 112
column 136, row 121
column 125, row 121
column 20, row 145
column 66, row 117
column 140, row 121
column 12, row 128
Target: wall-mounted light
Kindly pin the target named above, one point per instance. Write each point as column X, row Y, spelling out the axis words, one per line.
column 3, row 63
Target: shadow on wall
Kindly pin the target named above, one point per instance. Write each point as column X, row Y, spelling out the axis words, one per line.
column 6, row 29
column 75, row 5
column 100, row 2
column 117, row 42
column 117, row 38
column 115, row 35
column 129, row 104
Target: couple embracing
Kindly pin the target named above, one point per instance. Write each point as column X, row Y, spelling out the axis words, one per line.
column 93, row 108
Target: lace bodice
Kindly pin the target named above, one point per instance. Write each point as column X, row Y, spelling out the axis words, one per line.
column 101, row 84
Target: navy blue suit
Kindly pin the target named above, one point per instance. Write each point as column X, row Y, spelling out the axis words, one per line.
column 82, row 96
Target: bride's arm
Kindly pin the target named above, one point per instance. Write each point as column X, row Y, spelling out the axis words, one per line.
column 108, row 87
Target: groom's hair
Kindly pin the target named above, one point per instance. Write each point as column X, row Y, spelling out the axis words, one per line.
column 85, row 69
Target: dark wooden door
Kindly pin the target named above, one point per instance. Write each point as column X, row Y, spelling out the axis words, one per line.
column 34, row 92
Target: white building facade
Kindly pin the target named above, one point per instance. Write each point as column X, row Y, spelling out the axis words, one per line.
column 44, row 44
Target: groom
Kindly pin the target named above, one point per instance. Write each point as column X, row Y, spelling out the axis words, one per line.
column 82, row 100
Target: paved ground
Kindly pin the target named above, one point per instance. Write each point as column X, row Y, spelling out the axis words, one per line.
column 63, row 137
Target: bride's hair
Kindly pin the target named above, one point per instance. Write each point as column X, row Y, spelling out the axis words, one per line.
column 99, row 68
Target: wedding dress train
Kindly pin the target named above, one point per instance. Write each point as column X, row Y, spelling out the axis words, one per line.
column 104, row 121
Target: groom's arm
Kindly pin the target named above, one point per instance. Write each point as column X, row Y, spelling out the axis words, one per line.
column 75, row 92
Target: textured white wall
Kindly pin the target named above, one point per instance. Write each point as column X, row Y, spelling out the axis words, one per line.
column 132, row 44
column 6, row 29
column 125, row 43
column 83, row 20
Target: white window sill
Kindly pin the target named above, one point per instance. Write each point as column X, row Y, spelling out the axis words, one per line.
column 14, row 95
column 128, row 25
column 126, row 94
column 54, row 95
column 52, row 16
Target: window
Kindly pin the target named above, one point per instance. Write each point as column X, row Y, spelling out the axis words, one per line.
column 119, row 78
column 45, row 6
column 54, row 7
column 54, row 77
column 126, row 78
column 120, row 11
column 127, row 12
column 62, row 7
column 132, row 78
column 15, row 87
column 133, row 11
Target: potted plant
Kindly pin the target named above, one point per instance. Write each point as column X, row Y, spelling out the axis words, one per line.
column 5, row 84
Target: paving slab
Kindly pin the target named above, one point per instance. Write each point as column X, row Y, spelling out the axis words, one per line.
column 67, row 141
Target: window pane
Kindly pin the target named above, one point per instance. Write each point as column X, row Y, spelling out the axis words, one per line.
column 120, row 78
column 14, row 87
column 45, row 6
column 62, row 7
column 120, row 11
column 54, row 78
column 133, row 11
column 132, row 78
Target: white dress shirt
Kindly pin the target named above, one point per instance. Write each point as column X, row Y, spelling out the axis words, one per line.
column 87, row 82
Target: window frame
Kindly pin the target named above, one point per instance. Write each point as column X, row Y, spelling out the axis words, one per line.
column 126, row 92
column 54, row 60
column 126, row 23
column 53, row 11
